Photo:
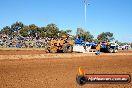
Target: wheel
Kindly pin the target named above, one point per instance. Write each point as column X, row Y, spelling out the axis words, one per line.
column 67, row 48
column 81, row 80
column 110, row 50
column 115, row 50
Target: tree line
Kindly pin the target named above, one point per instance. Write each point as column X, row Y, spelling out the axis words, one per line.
column 52, row 31
column 18, row 28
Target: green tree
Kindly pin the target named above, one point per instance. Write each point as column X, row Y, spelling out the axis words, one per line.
column 95, row 40
column 52, row 30
column 34, row 30
column 79, row 32
column 25, row 31
column 64, row 33
column 6, row 30
column 43, row 32
column 87, row 36
column 15, row 27
column 105, row 36
column 68, row 31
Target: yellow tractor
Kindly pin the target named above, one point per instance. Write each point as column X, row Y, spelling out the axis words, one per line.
column 60, row 45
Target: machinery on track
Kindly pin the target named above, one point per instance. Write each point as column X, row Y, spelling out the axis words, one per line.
column 60, row 45
column 87, row 47
column 66, row 45
column 110, row 47
column 82, row 46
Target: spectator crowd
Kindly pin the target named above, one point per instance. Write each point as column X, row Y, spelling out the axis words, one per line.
column 23, row 42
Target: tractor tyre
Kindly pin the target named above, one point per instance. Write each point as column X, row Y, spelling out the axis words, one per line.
column 110, row 50
column 47, row 50
column 115, row 50
column 67, row 48
column 81, row 80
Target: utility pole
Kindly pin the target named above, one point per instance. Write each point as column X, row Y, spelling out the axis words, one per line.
column 85, row 10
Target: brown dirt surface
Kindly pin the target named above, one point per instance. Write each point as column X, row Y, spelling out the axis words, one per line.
column 20, row 51
column 59, row 72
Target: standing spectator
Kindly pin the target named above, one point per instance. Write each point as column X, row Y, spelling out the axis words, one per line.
column 98, row 48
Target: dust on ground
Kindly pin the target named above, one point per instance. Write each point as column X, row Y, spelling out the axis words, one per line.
column 60, row 72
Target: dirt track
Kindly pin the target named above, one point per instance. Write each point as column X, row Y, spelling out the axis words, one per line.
column 60, row 72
